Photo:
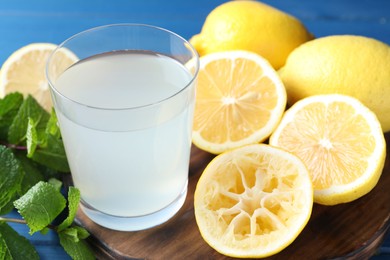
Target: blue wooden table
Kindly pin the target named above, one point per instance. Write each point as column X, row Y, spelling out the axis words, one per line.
column 25, row 21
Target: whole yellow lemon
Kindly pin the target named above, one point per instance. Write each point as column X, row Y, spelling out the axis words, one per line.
column 251, row 26
column 347, row 64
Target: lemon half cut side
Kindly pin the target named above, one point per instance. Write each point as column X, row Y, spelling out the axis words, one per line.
column 341, row 142
column 240, row 100
column 24, row 71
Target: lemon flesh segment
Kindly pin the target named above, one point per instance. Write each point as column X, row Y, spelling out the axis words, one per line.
column 340, row 141
column 24, row 71
column 253, row 201
column 240, row 100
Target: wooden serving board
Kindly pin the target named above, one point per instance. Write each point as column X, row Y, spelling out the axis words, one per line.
column 354, row 230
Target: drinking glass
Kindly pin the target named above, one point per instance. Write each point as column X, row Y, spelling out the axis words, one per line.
column 125, row 109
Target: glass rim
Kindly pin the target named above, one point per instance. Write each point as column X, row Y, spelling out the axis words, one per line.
column 62, row 44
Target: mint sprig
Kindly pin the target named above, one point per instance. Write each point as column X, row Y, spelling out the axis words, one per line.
column 40, row 206
column 29, row 109
column 72, row 240
column 32, row 164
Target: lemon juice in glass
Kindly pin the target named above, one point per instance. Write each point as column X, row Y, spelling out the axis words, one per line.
column 125, row 110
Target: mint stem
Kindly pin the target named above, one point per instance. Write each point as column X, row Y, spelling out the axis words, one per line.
column 14, row 146
column 22, row 221
column 13, row 220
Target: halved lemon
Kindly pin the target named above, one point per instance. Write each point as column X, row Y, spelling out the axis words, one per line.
column 24, row 71
column 253, row 201
column 341, row 142
column 240, row 100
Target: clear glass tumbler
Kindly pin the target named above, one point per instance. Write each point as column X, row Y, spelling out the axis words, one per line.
column 125, row 108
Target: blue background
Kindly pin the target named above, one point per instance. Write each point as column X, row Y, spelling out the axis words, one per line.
column 27, row 21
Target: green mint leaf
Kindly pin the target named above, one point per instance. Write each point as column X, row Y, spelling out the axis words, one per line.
column 76, row 247
column 52, row 127
column 76, row 233
column 11, row 102
column 56, row 183
column 52, row 155
column 29, row 109
column 40, row 206
column 31, row 169
column 15, row 246
column 73, row 203
column 11, row 177
column 82, row 233
column 32, row 137
column 51, row 152
column 9, row 107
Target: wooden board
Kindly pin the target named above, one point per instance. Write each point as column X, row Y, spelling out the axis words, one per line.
column 353, row 231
